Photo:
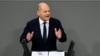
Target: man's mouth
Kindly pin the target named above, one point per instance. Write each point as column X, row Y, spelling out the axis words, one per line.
column 47, row 16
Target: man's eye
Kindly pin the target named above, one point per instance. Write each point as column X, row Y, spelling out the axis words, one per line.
column 48, row 11
column 45, row 11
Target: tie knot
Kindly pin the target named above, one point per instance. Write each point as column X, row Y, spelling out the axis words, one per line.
column 44, row 22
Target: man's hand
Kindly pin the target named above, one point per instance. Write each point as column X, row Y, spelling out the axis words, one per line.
column 29, row 35
column 58, row 33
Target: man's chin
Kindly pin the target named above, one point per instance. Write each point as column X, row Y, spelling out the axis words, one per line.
column 46, row 19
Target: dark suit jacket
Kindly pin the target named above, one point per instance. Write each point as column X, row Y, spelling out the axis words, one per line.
column 37, row 42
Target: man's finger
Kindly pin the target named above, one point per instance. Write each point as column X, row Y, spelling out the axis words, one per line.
column 28, row 33
column 32, row 32
column 59, row 30
column 55, row 29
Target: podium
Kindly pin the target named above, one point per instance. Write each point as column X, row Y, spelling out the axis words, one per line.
column 47, row 53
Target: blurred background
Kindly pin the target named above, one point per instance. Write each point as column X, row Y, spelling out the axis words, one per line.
column 80, row 20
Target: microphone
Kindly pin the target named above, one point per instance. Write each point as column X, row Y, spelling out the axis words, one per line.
column 25, row 47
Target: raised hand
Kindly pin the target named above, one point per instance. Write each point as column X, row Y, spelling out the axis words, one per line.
column 58, row 33
column 29, row 35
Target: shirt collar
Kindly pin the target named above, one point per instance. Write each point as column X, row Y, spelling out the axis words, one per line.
column 41, row 21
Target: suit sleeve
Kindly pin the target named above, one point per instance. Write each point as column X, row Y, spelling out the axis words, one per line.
column 64, row 37
column 26, row 30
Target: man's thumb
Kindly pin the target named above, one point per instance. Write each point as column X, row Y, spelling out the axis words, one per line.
column 32, row 32
column 55, row 29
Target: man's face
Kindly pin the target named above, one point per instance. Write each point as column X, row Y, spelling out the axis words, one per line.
column 44, row 13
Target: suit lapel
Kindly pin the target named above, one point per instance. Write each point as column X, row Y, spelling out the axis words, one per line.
column 38, row 28
column 50, row 28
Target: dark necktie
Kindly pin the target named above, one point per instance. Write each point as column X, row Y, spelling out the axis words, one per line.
column 44, row 31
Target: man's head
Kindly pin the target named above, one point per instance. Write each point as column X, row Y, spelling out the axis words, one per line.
column 43, row 11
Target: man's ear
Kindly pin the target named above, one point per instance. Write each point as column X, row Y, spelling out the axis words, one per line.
column 38, row 13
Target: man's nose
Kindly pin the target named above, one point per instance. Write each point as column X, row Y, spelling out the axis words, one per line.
column 48, row 13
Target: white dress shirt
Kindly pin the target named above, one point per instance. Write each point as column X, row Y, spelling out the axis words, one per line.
column 41, row 26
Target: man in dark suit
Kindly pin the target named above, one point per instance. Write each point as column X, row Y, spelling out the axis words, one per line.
column 44, row 30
